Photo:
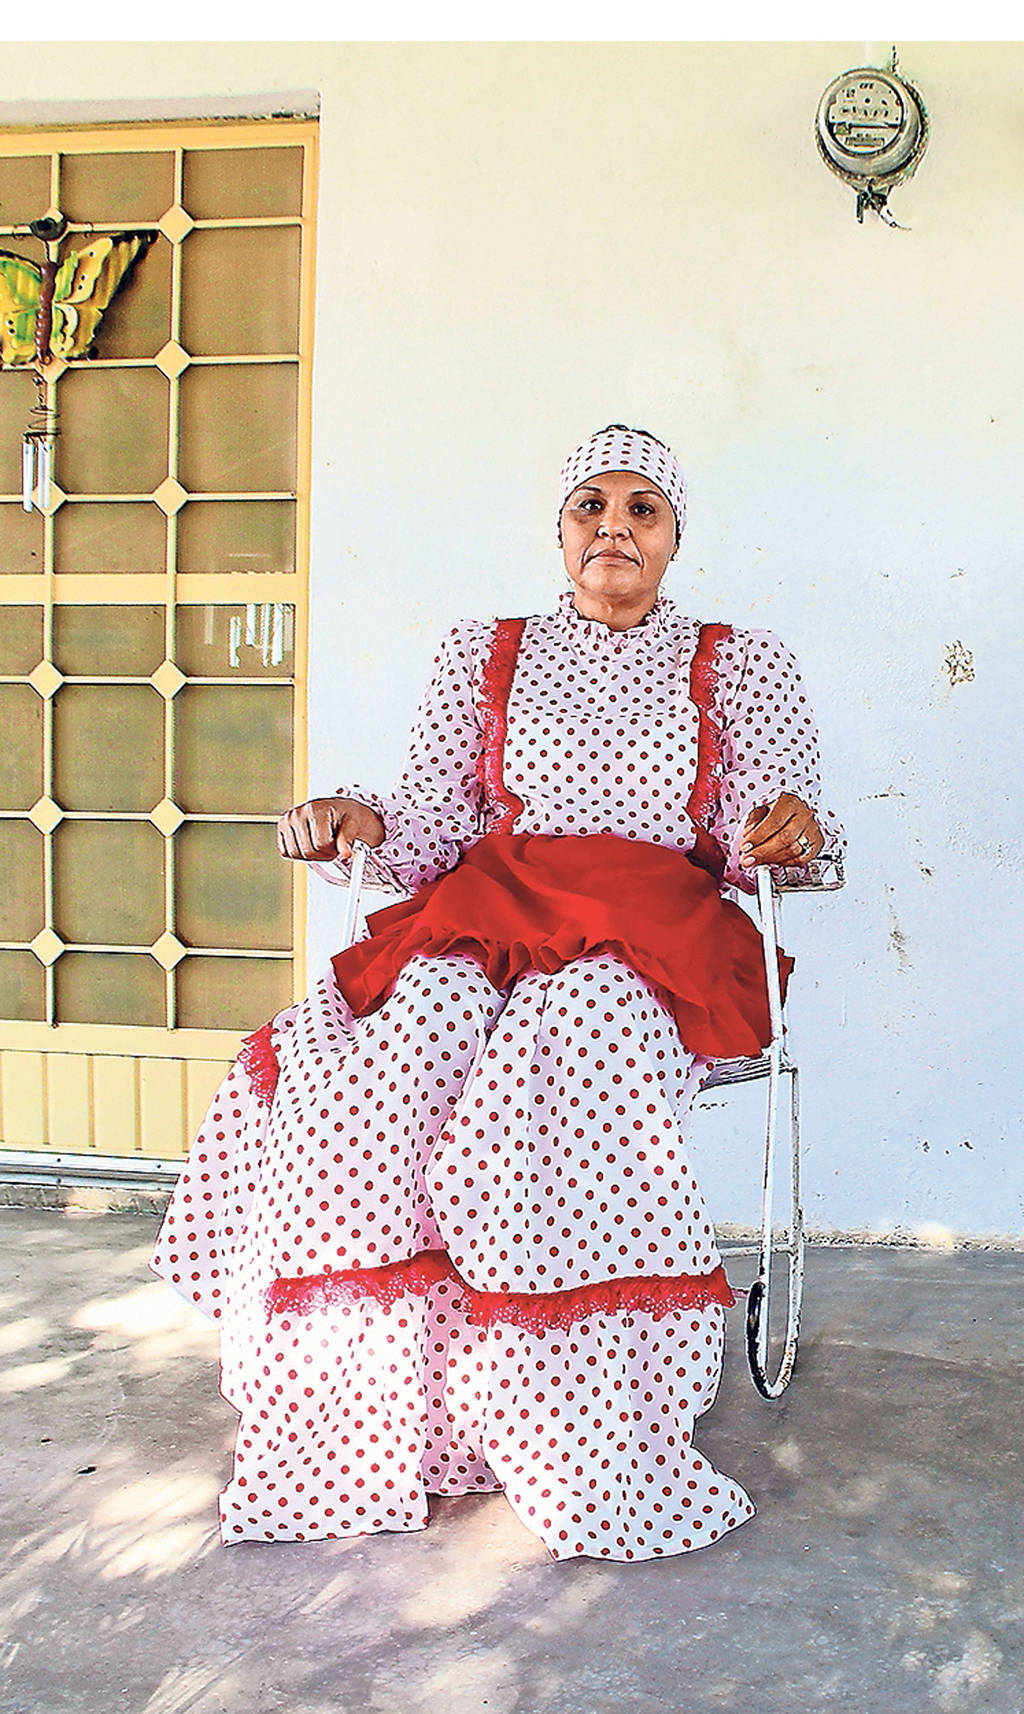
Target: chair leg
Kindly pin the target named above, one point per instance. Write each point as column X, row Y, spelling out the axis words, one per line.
column 758, row 1302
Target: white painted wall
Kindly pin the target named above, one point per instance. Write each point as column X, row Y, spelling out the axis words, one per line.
column 520, row 243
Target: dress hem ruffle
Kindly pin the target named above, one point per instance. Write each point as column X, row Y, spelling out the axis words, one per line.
column 659, row 1296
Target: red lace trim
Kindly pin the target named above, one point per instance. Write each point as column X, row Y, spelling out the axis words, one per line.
column 703, row 684
column 258, row 1059
column 537, row 1311
column 660, row 1296
column 495, row 687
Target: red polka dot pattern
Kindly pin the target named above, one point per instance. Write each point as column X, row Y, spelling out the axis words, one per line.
column 536, row 1136
column 602, row 738
column 348, row 1418
column 565, row 1162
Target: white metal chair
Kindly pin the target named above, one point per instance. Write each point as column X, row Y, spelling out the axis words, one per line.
column 773, row 1064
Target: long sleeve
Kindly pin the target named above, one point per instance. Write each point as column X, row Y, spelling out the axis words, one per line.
column 769, row 742
column 433, row 812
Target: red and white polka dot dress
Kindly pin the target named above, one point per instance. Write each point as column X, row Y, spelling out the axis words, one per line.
column 462, row 1143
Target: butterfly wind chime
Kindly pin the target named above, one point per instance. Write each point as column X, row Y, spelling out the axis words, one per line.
column 49, row 315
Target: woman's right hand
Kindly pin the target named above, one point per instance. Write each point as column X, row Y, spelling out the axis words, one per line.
column 326, row 827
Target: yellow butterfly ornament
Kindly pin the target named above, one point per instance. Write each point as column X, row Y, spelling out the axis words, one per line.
column 65, row 301
column 50, row 313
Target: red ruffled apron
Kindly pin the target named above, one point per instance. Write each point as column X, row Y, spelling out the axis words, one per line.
column 520, row 902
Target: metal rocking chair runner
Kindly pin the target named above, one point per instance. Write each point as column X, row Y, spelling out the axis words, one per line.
column 772, row 1064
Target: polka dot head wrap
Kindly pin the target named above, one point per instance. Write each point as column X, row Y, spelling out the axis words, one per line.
column 620, row 448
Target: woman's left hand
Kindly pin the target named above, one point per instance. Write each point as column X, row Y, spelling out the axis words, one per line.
column 782, row 832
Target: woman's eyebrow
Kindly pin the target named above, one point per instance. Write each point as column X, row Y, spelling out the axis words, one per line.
column 595, row 488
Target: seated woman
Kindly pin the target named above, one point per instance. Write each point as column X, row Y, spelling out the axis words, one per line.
column 443, row 1208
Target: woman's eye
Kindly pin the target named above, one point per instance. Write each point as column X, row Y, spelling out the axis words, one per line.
column 643, row 508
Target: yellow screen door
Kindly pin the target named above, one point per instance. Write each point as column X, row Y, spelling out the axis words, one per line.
column 152, row 639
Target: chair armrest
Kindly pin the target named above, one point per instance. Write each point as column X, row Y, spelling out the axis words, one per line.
column 823, row 874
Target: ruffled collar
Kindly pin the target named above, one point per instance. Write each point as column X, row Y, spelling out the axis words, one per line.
column 595, row 634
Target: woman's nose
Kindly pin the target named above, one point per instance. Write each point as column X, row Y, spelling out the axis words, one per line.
column 614, row 524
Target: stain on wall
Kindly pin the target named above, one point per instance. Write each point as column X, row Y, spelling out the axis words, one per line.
column 959, row 664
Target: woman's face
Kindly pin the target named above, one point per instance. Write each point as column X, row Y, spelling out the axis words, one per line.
column 618, row 535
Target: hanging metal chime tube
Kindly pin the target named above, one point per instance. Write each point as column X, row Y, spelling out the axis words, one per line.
column 28, row 472
column 45, row 473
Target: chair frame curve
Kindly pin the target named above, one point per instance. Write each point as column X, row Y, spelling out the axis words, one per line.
column 775, row 1063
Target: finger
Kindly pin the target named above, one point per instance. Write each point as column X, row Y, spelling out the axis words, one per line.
column 291, row 845
column 283, row 824
column 797, row 843
column 784, row 814
column 315, row 834
column 782, row 850
column 810, row 841
column 327, row 835
column 289, row 831
column 755, row 817
column 320, row 830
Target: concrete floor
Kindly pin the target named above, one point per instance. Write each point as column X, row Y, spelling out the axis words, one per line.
column 884, row 1572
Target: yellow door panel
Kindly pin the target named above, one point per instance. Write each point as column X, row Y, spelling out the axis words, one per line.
column 23, row 1092
column 153, row 631
column 116, row 1103
column 68, row 1107
column 162, row 1107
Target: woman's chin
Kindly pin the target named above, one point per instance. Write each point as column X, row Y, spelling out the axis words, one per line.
column 614, row 589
